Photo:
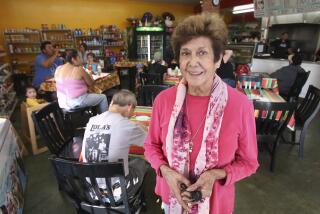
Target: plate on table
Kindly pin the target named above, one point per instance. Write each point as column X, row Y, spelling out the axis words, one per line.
column 142, row 118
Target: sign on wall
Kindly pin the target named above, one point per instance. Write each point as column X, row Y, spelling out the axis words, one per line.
column 263, row 8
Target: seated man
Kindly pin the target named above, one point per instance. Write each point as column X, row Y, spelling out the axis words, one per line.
column 287, row 74
column 109, row 135
column 46, row 63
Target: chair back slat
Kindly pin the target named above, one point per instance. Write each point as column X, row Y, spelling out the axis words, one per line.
column 149, row 92
column 89, row 184
column 309, row 104
column 273, row 117
column 249, row 82
column 55, row 130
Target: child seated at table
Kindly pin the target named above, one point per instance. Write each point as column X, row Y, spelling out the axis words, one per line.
column 91, row 65
column 31, row 97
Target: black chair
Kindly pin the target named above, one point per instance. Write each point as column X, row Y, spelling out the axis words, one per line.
column 149, row 92
column 304, row 114
column 78, row 181
column 151, row 78
column 55, row 130
column 248, row 81
column 272, row 120
column 297, row 86
column 79, row 117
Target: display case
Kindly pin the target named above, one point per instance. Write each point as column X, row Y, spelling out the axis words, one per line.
column 8, row 99
column 242, row 52
column 143, row 42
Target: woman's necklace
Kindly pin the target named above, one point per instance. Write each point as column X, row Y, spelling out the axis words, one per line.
column 190, row 142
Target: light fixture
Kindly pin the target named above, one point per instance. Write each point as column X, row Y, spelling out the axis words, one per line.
column 243, row 9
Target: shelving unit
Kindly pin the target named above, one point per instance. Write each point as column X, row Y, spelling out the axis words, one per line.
column 92, row 38
column 20, row 42
column 61, row 37
column 113, row 43
column 8, row 99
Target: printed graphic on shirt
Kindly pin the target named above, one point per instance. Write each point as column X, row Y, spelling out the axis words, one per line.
column 97, row 147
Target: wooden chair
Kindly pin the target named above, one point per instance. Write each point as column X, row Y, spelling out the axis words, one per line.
column 248, row 82
column 78, row 181
column 29, row 132
column 304, row 114
column 149, row 92
column 55, row 130
column 272, row 120
column 297, row 86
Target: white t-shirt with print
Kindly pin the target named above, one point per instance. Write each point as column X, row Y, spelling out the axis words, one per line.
column 108, row 136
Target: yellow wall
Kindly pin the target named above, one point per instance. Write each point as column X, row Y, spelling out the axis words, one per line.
column 80, row 13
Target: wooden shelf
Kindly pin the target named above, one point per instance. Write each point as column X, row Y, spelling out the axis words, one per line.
column 13, row 102
column 94, row 46
column 13, row 108
column 4, row 66
column 22, row 63
column 2, row 54
column 24, row 43
column 56, row 30
column 70, row 40
column 87, row 36
column 7, row 90
column 20, row 33
column 25, row 53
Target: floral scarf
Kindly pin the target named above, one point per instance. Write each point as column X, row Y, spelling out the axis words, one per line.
column 179, row 133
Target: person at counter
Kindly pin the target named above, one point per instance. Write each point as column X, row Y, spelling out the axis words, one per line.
column 46, row 63
column 287, row 74
column 226, row 71
column 282, row 46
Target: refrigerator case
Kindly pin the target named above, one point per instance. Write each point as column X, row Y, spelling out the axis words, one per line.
column 145, row 42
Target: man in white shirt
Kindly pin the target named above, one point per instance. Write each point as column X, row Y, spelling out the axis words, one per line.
column 108, row 136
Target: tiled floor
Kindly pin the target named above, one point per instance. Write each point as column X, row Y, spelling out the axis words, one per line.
column 293, row 188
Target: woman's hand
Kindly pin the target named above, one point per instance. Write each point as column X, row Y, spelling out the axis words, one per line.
column 205, row 183
column 174, row 181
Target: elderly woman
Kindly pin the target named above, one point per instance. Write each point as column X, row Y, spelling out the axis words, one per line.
column 72, row 83
column 202, row 132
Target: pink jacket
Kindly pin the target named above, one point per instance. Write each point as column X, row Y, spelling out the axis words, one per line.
column 237, row 146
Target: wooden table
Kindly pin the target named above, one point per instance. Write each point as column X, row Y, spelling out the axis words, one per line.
column 105, row 82
column 140, row 111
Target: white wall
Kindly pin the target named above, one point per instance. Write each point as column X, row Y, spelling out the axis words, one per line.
column 271, row 65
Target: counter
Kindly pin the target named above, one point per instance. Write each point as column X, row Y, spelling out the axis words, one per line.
column 271, row 65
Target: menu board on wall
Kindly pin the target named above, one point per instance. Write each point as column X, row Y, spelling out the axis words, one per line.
column 263, row 8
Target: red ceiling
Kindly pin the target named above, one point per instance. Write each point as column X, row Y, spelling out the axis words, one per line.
column 232, row 3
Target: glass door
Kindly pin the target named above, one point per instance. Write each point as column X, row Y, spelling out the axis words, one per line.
column 143, row 47
column 156, row 44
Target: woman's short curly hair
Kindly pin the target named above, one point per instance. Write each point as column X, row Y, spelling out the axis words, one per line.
column 209, row 25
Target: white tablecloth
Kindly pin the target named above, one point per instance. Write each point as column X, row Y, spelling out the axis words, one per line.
column 12, row 173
